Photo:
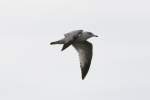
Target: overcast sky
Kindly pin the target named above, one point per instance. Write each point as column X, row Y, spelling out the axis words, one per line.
column 31, row 69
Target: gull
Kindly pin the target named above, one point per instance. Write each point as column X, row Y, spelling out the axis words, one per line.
column 78, row 39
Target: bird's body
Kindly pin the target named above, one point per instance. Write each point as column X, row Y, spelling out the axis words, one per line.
column 78, row 39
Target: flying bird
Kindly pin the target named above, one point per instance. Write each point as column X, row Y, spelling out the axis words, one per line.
column 78, row 39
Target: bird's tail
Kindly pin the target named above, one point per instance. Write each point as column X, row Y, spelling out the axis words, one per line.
column 57, row 42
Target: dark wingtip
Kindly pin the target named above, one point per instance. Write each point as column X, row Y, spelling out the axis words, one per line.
column 52, row 43
column 84, row 71
column 83, row 77
column 65, row 46
column 62, row 49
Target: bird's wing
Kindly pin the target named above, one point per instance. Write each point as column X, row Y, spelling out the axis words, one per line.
column 67, row 44
column 70, row 38
column 73, row 33
column 85, row 50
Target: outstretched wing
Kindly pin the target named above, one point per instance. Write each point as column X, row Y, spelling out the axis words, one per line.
column 73, row 33
column 71, row 37
column 85, row 50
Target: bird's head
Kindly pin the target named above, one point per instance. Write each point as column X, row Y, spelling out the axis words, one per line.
column 89, row 35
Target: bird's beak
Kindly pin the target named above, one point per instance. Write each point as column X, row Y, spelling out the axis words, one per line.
column 95, row 35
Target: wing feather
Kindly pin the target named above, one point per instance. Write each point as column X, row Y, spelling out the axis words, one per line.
column 73, row 33
column 85, row 50
column 70, row 38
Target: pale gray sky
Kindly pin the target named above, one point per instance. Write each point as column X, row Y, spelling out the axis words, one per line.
column 31, row 69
